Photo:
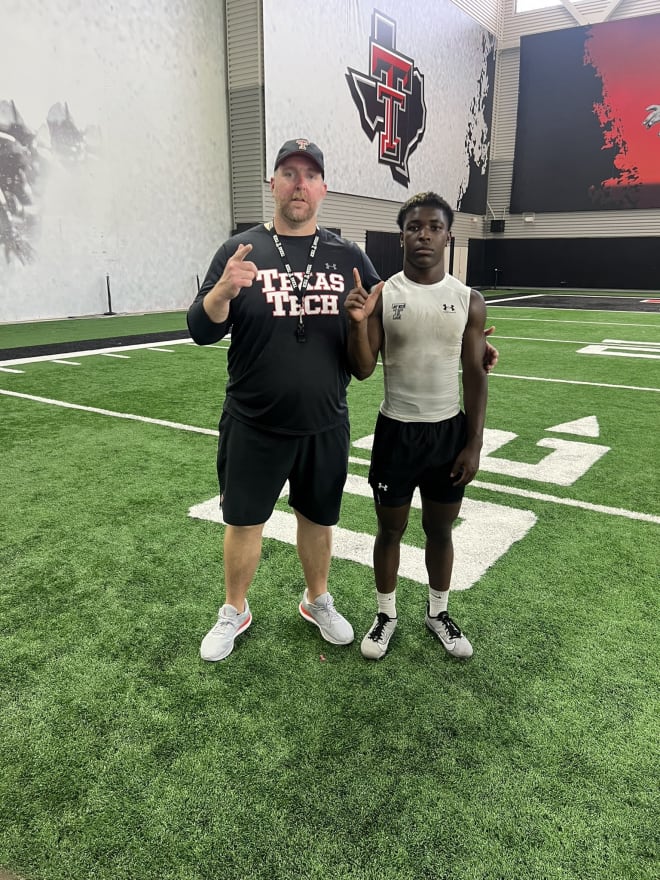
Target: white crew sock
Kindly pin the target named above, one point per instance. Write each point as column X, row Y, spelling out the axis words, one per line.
column 438, row 601
column 387, row 603
column 232, row 610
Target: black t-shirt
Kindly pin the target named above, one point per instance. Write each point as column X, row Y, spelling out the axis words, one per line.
column 275, row 382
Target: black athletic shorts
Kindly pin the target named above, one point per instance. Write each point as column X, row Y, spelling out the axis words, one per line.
column 254, row 465
column 407, row 455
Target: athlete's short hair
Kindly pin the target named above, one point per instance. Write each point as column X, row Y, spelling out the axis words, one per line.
column 425, row 200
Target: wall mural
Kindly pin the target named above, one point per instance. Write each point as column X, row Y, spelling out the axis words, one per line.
column 389, row 97
column 26, row 157
column 399, row 102
column 97, row 186
column 588, row 115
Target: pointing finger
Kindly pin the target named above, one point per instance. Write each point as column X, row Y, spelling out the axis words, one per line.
column 241, row 252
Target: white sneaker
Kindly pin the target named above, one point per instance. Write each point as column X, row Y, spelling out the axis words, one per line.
column 374, row 644
column 449, row 634
column 322, row 613
column 218, row 642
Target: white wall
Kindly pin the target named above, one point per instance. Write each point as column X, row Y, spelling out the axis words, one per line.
column 146, row 195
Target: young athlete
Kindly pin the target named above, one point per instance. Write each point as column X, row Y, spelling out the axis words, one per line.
column 424, row 323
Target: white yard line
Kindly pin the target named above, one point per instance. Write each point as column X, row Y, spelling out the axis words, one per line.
column 635, row 297
column 571, row 382
column 552, row 499
column 571, row 321
column 631, row 345
column 568, row 502
column 506, row 299
column 541, row 339
column 111, row 350
column 496, row 487
column 497, row 375
column 109, row 412
column 495, row 302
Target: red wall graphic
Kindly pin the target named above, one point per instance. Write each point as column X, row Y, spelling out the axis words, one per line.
column 589, row 119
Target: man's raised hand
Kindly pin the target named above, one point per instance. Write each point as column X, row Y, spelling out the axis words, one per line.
column 238, row 273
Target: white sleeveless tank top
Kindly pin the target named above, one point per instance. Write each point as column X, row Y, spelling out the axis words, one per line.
column 424, row 325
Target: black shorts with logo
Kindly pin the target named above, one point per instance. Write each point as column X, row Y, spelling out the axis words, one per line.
column 254, row 465
column 407, row 455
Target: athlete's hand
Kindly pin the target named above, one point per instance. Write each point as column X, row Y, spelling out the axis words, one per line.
column 361, row 303
column 238, row 273
column 491, row 354
column 465, row 467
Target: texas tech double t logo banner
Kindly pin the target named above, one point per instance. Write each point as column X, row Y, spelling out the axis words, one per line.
column 390, row 99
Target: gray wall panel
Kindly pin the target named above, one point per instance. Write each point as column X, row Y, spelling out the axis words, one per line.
column 246, row 109
column 486, row 12
column 516, row 25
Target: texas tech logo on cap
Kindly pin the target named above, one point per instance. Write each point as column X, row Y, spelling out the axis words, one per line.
column 390, row 99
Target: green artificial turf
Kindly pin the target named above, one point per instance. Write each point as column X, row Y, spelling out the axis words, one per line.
column 125, row 756
column 72, row 329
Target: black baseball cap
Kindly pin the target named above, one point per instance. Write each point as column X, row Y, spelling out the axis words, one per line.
column 300, row 147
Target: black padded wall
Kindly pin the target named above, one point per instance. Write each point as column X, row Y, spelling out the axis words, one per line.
column 385, row 252
column 591, row 263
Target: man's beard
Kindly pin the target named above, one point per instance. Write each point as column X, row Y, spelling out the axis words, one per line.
column 291, row 211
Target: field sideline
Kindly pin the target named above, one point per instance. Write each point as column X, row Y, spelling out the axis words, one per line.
column 127, row 757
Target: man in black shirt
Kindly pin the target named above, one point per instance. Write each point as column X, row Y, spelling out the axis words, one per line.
column 280, row 288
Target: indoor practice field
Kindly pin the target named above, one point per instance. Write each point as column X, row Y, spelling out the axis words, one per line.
column 126, row 757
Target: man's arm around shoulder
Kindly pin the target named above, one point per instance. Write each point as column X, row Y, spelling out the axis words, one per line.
column 475, row 389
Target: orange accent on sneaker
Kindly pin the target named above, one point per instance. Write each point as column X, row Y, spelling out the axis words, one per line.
column 245, row 624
